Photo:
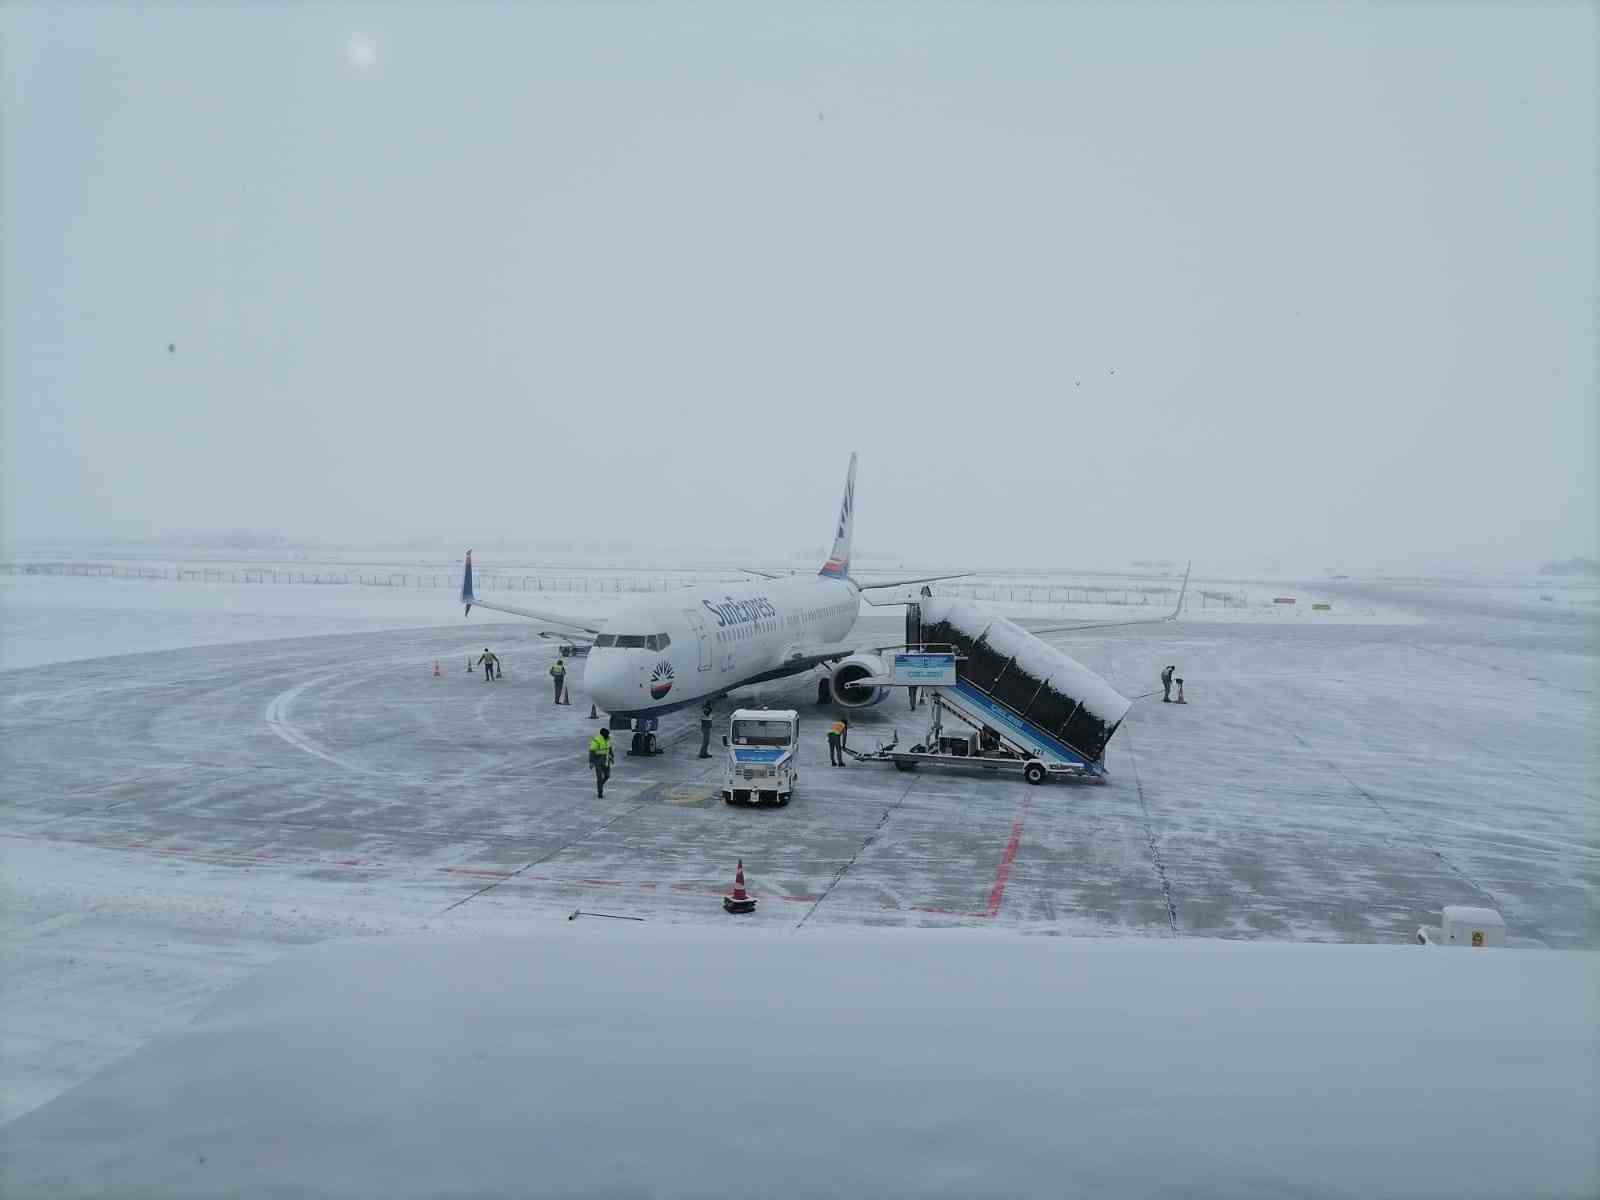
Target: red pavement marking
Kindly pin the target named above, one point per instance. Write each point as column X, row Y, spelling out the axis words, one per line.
column 998, row 892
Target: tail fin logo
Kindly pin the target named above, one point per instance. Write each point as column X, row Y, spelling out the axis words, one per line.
column 838, row 564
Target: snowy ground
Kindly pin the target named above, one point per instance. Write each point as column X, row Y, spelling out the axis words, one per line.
column 174, row 820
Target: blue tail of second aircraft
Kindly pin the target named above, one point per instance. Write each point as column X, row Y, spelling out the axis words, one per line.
column 467, row 597
column 838, row 564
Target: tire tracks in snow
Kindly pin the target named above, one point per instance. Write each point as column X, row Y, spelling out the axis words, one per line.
column 650, row 798
column 277, row 717
column 1395, row 820
column 1150, row 839
column 860, row 850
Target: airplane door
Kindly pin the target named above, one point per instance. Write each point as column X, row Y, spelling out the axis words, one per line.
column 697, row 623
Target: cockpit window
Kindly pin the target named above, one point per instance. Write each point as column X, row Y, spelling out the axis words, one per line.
column 634, row 641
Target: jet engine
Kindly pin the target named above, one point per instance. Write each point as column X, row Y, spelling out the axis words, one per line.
column 851, row 688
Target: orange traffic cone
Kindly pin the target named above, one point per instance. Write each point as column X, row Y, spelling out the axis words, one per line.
column 436, row 668
column 741, row 901
column 1180, row 699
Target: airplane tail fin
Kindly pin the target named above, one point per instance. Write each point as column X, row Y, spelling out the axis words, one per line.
column 467, row 597
column 838, row 564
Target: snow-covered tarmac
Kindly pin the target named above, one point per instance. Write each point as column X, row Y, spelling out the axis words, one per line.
column 173, row 821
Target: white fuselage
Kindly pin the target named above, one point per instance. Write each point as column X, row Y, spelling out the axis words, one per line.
column 673, row 650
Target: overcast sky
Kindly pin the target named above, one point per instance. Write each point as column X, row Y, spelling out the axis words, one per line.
column 1082, row 283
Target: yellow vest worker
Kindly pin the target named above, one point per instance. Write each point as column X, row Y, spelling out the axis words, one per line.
column 600, row 757
column 559, row 673
column 837, row 733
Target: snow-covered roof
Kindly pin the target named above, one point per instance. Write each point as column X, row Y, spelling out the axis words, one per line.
column 1037, row 657
column 602, row 1058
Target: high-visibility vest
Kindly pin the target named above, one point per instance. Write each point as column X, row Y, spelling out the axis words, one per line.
column 837, row 729
column 599, row 745
column 559, row 669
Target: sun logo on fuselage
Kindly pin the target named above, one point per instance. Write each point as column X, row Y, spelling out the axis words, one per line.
column 661, row 680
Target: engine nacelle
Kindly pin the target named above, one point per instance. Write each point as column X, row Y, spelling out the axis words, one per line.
column 849, row 690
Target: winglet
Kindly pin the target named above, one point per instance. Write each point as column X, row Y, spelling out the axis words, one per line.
column 467, row 596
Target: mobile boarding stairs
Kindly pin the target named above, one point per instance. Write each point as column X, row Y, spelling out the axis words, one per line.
column 998, row 740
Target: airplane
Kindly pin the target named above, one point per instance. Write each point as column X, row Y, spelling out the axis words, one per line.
column 668, row 652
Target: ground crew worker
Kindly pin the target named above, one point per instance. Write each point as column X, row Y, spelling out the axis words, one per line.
column 705, row 732
column 837, row 733
column 601, row 756
column 486, row 660
column 558, row 672
column 1166, row 685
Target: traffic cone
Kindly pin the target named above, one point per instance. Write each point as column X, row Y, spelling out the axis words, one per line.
column 469, row 666
column 593, row 715
column 1180, row 699
column 740, row 901
column 436, row 668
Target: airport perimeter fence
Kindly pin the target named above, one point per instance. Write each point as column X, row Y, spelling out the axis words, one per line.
column 482, row 581
column 1160, row 597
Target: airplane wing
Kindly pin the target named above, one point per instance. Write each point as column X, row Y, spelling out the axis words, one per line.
column 469, row 598
column 1171, row 616
column 887, row 583
column 762, row 574
column 813, row 654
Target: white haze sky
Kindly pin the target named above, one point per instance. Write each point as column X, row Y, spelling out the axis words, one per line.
column 1081, row 282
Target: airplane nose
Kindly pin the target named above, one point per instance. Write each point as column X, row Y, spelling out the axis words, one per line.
column 604, row 677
